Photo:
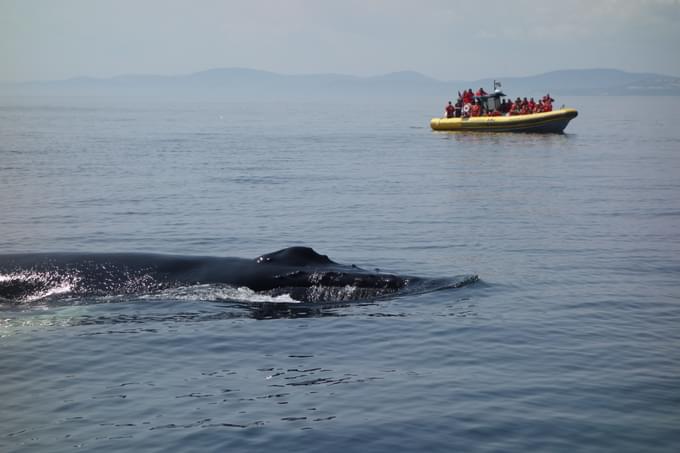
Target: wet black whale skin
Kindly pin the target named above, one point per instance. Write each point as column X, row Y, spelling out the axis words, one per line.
column 116, row 273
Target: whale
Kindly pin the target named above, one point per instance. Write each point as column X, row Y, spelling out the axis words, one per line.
column 299, row 272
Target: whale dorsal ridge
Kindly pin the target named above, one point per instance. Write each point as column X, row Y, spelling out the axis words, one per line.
column 295, row 256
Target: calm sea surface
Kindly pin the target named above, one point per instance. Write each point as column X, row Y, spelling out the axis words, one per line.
column 570, row 341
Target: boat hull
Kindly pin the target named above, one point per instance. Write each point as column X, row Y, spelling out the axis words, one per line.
column 543, row 123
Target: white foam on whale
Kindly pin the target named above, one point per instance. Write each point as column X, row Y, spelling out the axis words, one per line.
column 216, row 293
column 49, row 284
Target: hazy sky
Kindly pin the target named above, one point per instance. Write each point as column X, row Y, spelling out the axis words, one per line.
column 445, row 39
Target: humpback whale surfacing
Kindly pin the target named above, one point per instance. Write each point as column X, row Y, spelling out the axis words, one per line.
column 299, row 272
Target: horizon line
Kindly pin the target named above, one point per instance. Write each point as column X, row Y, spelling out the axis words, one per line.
column 283, row 74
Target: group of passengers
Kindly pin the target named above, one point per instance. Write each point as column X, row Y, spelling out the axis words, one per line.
column 524, row 107
column 470, row 104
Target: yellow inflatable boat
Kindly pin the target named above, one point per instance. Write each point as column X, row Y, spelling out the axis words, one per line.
column 547, row 122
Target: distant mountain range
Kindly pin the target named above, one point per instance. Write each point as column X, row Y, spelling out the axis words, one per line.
column 240, row 83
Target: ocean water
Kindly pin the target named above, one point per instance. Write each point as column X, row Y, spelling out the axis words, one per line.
column 570, row 340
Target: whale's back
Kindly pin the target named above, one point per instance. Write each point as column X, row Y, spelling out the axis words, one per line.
column 295, row 256
column 296, row 272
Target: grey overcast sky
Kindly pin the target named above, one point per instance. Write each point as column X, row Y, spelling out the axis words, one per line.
column 445, row 39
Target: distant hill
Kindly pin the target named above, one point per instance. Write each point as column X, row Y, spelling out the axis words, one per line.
column 593, row 82
column 242, row 83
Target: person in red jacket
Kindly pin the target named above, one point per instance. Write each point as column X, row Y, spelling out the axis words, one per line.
column 468, row 97
column 509, row 106
column 475, row 110
column 450, row 110
column 547, row 103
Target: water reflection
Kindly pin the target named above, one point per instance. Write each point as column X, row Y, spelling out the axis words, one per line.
column 143, row 316
column 506, row 138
